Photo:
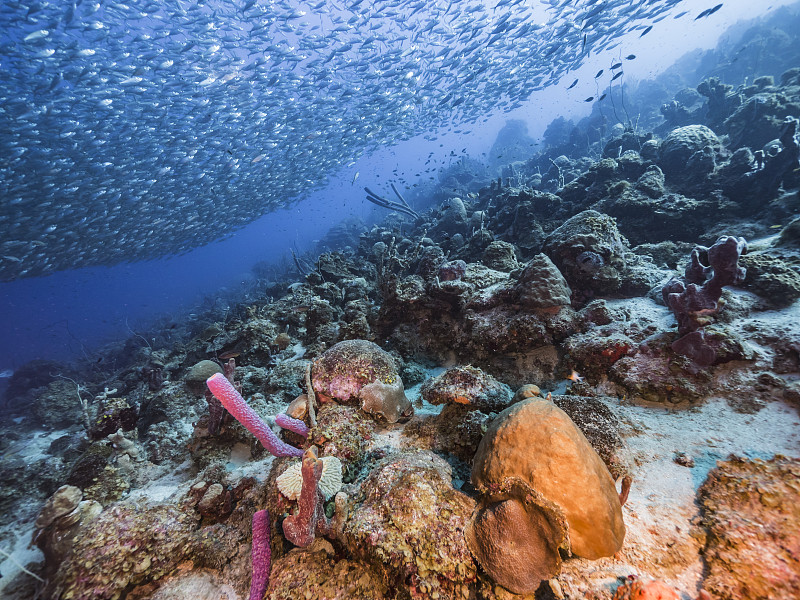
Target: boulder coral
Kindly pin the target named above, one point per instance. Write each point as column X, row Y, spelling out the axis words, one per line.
column 589, row 251
column 681, row 145
column 541, row 285
column 361, row 371
column 469, row 386
column 537, row 442
column 341, row 371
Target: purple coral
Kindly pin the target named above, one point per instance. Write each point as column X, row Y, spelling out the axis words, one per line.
column 695, row 298
column 232, row 400
column 261, row 555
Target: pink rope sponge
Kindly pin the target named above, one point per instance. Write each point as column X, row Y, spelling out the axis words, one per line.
column 232, row 400
column 261, row 555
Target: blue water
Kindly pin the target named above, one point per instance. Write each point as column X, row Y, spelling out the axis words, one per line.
column 70, row 313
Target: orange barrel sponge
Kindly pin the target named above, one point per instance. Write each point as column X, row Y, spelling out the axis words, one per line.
column 537, row 442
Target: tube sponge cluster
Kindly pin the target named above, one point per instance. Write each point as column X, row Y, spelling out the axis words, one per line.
column 232, row 400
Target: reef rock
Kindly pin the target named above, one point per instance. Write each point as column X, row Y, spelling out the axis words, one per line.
column 407, row 523
column 752, row 511
column 323, row 576
column 593, row 352
column 341, row 431
column 469, row 386
column 772, row 278
column 457, row 430
column 500, row 256
column 645, row 590
column 124, row 546
column 651, row 182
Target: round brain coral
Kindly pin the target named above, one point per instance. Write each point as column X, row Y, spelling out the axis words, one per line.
column 341, row 371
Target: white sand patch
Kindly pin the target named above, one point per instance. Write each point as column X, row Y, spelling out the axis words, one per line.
column 17, row 545
column 166, row 488
column 661, row 539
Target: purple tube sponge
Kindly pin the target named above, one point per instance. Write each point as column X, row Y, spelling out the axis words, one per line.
column 261, row 555
column 286, row 422
column 694, row 299
column 232, row 400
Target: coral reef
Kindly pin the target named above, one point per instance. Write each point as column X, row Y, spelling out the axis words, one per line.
column 469, row 386
column 397, row 348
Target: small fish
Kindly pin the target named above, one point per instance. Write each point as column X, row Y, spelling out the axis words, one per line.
column 6, row 373
column 600, row 72
column 617, row 76
column 681, row 14
column 36, row 35
column 589, row 99
column 708, row 12
column 574, row 83
column 601, row 97
column 616, row 65
column 355, row 177
column 771, row 227
column 646, row 31
column 575, row 377
column 630, row 57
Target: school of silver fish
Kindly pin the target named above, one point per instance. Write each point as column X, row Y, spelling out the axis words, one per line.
column 141, row 129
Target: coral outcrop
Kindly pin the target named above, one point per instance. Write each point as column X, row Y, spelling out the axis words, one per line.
column 752, row 511
column 469, row 386
column 407, row 522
